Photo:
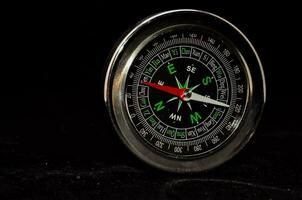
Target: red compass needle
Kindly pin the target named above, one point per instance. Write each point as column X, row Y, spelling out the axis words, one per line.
column 168, row 89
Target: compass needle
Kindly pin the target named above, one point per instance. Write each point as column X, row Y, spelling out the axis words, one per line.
column 175, row 99
column 168, row 89
column 204, row 99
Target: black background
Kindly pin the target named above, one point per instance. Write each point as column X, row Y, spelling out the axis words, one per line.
column 56, row 141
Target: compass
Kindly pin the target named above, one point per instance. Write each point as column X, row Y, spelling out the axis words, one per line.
column 185, row 90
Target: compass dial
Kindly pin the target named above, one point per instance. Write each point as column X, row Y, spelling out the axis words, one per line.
column 179, row 90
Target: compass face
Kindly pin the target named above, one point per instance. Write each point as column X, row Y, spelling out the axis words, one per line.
column 212, row 83
column 180, row 94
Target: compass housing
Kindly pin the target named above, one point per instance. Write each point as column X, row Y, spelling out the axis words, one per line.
column 126, row 54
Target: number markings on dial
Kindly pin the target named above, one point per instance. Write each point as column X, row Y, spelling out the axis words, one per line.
column 164, row 132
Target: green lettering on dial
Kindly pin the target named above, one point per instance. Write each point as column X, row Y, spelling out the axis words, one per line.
column 195, row 117
column 171, row 68
column 206, row 81
column 159, row 106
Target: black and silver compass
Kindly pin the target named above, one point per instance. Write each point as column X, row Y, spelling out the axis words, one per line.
column 184, row 90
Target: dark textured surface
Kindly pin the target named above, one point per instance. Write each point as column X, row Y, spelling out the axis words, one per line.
column 261, row 171
column 56, row 141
